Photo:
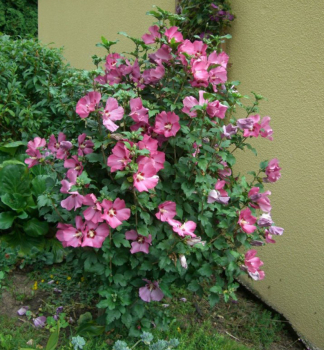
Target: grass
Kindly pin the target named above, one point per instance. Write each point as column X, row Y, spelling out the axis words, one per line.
column 241, row 325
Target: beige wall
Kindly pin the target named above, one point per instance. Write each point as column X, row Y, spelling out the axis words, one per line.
column 79, row 24
column 277, row 50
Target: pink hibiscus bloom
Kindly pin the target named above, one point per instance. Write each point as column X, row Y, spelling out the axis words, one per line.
column 265, row 220
column 261, row 199
column 145, row 178
column 85, row 146
column 186, row 229
column 273, row 171
column 216, row 109
column 265, row 129
column 61, row 147
column 255, row 129
column 223, row 173
column 153, row 36
column 75, row 200
column 200, row 73
column 72, row 237
column 167, row 211
column 167, row 124
column 74, row 164
column 120, row 157
column 220, row 59
column 115, row 212
column 217, row 76
column 247, row 221
column 151, row 292
column 138, row 112
column 153, row 75
column 229, row 130
column 218, row 195
column 111, row 113
column 173, row 32
column 253, row 264
column 94, row 212
column 34, row 152
column 268, row 237
column 88, row 104
column 94, row 234
column 275, row 230
column 140, row 244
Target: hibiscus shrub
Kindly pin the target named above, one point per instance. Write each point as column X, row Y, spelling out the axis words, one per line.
column 148, row 196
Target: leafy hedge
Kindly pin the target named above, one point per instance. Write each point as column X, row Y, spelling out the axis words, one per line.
column 38, row 91
column 19, row 17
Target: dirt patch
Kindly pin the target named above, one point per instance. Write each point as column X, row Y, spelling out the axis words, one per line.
column 19, row 292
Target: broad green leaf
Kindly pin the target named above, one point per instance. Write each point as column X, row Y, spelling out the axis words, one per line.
column 6, row 220
column 35, row 228
column 15, row 201
column 54, row 338
column 14, row 178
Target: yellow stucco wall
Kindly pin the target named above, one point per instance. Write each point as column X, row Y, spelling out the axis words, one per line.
column 277, row 50
column 79, row 24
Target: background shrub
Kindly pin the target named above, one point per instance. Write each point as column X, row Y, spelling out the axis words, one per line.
column 19, row 17
column 38, row 91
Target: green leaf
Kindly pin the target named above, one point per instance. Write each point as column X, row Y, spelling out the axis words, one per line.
column 112, row 315
column 194, row 286
column 14, row 178
column 15, row 201
column 26, row 244
column 90, row 329
column 6, row 220
column 188, row 188
column 35, row 228
column 54, row 338
column 142, row 230
column 39, row 184
column 206, row 270
column 120, row 279
column 119, row 239
column 139, row 309
column 127, row 319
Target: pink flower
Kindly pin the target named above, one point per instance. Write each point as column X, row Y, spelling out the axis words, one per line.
column 111, row 113
column 72, row 237
column 217, row 76
column 261, row 199
column 145, row 178
column 265, row 129
column 94, row 234
column 88, row 104
column 189, row 102
column 163, row 54
column 272, row 171
column 74, row 164
column 75, row 200
column 167, row 124
column 221, row 59
column 111, row 60
column 200, row 73
column 197, row 48
column 229, row 130
column 34, row 152
column 151, row 291
column 247, row 221
column 141, row 243
column 265, row 220
column 138, row 112
column 167, row 211
column 120, row 157
column 148, row 143
column 154, row 75
column 153, row 36
column 218, row 195
column 94, row 212
column 173, row 32
column 115, row 212
column 216, row 109
column 268, row 237
column 186, row 229
column 222, row 173
column 275, row 230
column 85, row 146
column 60, row 147
column 254, row 130
column 252, row 262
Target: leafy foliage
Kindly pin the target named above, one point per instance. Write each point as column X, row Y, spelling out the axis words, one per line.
column 19, row 17
column 203, row 17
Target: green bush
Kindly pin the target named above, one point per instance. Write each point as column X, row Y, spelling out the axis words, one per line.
column 38, row 91
column 19, row 17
